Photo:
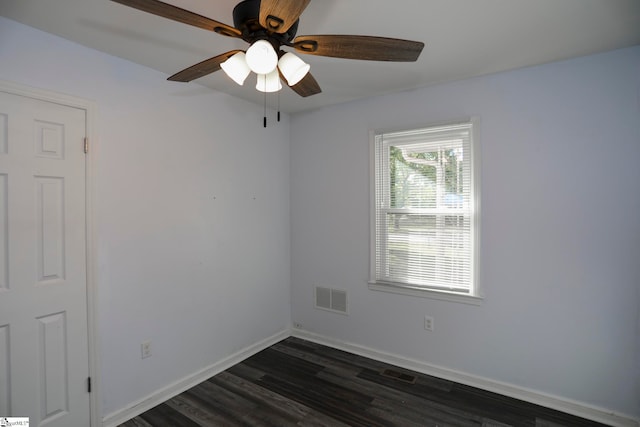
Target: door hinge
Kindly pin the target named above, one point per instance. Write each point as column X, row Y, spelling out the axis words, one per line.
column 86, row 145
column 89, row 385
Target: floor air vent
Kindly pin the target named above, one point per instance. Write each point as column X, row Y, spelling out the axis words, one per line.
column 390, row 373
column 331, row 299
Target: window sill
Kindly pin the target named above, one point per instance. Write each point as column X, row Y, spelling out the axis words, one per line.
column 425, row 293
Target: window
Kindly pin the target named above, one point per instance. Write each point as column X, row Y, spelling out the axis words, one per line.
column 424, row 229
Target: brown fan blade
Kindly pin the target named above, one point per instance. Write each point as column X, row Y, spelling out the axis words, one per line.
column 181, row 15
column 307, row 86
column 203, row 68
column 279, row 15
column 360, row 47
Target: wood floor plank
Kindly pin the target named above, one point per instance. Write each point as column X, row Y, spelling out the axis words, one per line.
column 194, row 409
column 245, row 371
column 136, row 422
column 288, row 411
column 344, row 368
column 387, row 398
column 320, row 397
column 163, row 415
column 321, row 420
column 299, row 383
column 405, row 419
column 219, row 399
column 278, row 362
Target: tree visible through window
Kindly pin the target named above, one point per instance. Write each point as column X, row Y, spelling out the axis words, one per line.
column 424, row 215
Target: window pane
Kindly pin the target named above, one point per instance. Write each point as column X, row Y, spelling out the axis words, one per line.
column 421, row 178
column 410, row 245
column 413, row 184
column 428, row 250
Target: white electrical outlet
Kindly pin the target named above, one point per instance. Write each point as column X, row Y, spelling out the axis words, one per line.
column 428, row 323
column 297, row 325
column 145, row 349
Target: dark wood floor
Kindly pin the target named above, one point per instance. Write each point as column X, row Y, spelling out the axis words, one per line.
column 300, row 383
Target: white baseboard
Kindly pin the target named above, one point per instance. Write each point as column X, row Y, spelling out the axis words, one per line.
column 116, row 418
column 564, row 405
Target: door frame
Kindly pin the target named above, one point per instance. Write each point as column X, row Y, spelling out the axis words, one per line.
column 92, row 327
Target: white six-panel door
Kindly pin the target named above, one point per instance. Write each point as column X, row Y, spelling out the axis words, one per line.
column 44, row 362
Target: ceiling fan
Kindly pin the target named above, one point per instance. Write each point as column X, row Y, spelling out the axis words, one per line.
column 268, row 26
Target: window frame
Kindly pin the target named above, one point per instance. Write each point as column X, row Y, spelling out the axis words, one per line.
column 475, row 295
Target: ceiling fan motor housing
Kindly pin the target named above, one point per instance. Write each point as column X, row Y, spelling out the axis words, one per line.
column 246, row 18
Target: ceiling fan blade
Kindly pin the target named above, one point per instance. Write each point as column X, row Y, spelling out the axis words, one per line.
column 360, row 47
column 279, row 15
column 203, row 68
column 175, row 13
column 307, row 86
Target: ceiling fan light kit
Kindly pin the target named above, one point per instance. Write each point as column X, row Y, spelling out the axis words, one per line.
column 268, row 26
column 236, row 68
column 269, row 82
column 261, row 57
column 260, row 61
column 293, row 68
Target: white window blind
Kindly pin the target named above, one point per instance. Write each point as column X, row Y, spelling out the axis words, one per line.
column 424, row 209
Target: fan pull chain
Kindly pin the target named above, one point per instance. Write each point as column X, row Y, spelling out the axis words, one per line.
column 265, row 107
column 278, row 106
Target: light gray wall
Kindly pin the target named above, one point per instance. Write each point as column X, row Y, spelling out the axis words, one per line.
column 191, row 204
column 560, row 250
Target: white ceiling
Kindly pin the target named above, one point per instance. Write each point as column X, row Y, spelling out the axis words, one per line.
column 464, row 38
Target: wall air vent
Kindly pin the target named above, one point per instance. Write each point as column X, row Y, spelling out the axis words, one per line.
column 331, row 299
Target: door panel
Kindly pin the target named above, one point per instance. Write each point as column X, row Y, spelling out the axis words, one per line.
column 44, row 361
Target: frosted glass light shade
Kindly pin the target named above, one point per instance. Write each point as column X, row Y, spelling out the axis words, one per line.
column 236, row 67
column 261, row 57
column 293, row 68
column 269, row 82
